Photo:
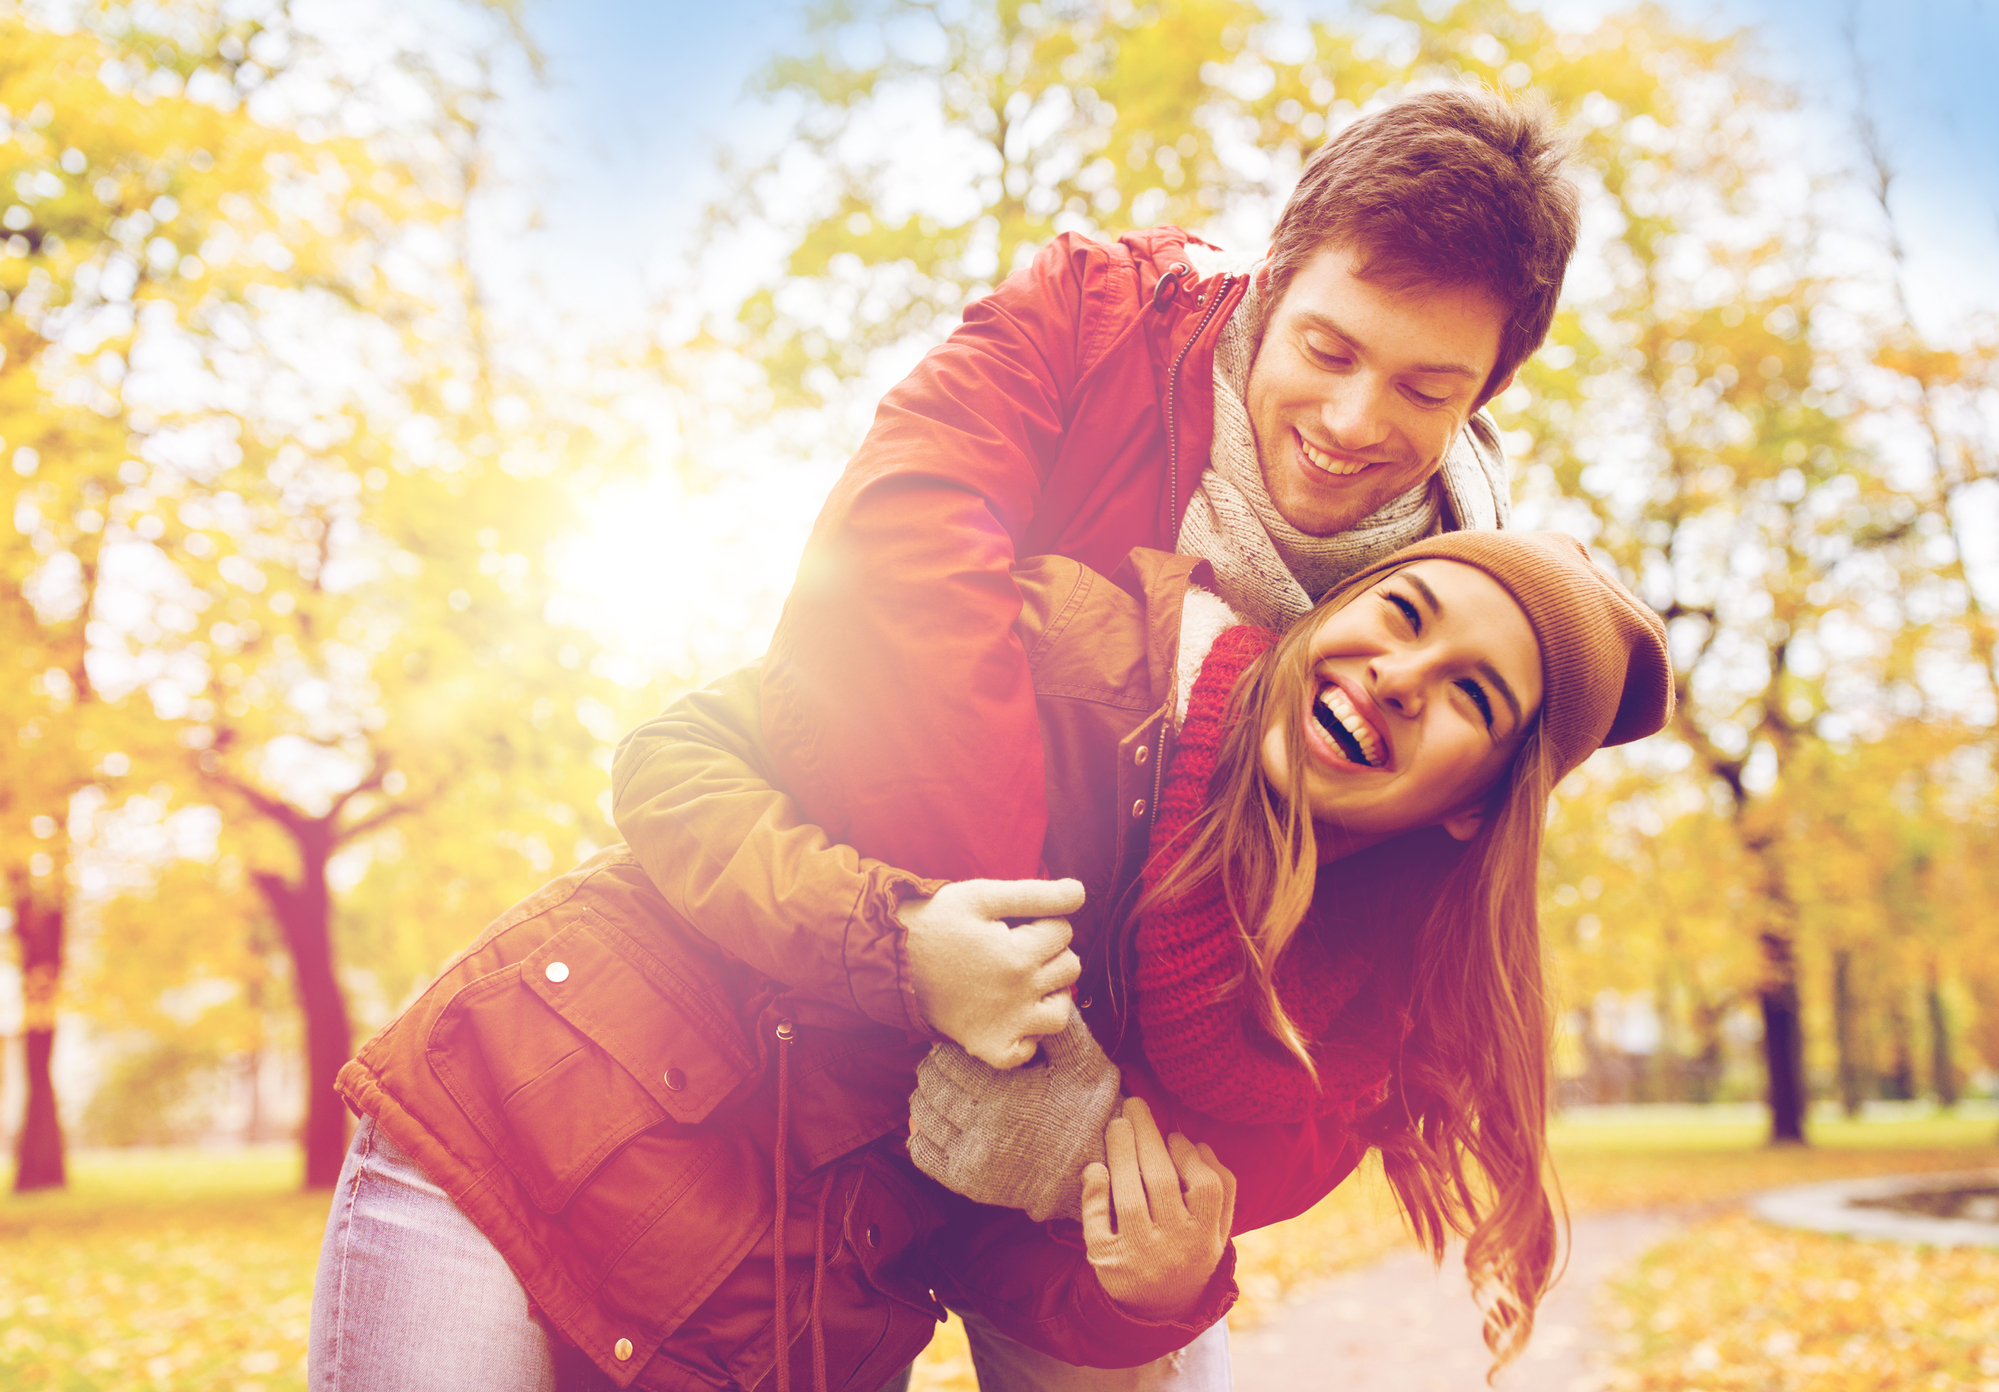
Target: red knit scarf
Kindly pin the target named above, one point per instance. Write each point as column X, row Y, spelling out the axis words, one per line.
column 1203, row 1039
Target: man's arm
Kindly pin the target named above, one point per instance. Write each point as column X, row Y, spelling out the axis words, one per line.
column 691, row 794
column 897, row 700
column 731, row 855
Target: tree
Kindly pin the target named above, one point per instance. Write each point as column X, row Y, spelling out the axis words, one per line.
column 1050, row 118
column 1643, row 890
column 252, row 372
column 1702, row 443
column 373, row 554
column 418, row 694
column 119, row 192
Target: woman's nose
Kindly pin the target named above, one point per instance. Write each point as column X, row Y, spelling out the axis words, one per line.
column 1400, row 681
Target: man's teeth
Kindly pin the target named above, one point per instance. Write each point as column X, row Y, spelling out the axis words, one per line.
column 1328, row 463
column 1365, row 742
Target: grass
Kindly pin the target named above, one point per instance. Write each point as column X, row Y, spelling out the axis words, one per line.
column 160, row 1270
column 1675, row 1162
column 172, row 1271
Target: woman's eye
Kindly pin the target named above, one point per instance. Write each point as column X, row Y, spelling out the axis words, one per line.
column 1424, row 399
column 1407, row 610
column 1478, row 698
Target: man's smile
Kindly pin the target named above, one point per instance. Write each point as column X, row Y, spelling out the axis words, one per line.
column 1337, row 464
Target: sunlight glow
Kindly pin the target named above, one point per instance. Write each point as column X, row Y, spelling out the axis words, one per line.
column 684, row 586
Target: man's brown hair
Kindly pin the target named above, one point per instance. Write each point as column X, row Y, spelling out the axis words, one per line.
column 1446, row 188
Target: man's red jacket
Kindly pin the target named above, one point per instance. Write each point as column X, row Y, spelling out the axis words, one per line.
column 1069, row 414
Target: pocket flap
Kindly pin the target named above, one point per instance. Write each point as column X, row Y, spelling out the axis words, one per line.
column 606, row 1042
column 679, row 1039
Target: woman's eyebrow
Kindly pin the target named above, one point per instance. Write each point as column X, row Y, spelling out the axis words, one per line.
column 1491, row 674
column 1484, row 669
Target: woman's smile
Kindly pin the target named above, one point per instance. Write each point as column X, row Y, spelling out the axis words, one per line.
column 1349, row 731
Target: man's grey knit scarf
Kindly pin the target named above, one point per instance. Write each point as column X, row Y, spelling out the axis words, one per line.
column 1268, row 570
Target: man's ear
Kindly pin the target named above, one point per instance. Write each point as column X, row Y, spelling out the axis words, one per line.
column 1497, row 388
column 1462, row 826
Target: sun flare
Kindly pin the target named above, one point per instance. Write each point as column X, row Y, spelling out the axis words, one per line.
column 682, row 585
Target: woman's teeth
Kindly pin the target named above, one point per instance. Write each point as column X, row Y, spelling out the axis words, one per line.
column 1330, row 464
column 1355, row 737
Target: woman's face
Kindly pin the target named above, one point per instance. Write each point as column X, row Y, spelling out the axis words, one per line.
column 1423, row 687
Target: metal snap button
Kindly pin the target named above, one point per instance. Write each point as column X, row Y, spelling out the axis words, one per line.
column 1138, row 808
column 1141, row 754
column 556, row 971
column 874, row 1235
column 675, row 1080
column 785, row 1031
column 623, row 1349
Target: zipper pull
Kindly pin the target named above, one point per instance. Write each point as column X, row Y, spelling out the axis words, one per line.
column 1168, row 285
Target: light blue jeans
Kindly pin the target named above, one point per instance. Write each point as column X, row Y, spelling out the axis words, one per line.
column 411, row 1295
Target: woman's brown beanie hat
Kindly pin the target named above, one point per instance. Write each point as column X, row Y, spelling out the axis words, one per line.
column 1603, row 653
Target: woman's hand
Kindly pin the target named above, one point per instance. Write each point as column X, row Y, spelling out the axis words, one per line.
column 990, row 986
column 1017, row 1139
column 1174, row 1204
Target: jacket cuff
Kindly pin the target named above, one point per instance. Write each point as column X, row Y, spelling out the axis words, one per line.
column 876, row 951
column 1133, row 1339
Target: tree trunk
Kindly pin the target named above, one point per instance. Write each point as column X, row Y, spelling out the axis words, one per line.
column 39, row 924
column 1943, row 1068
column 1706, row 1067
column 1783, row 1027
column 305, row 913
column 1668, row 1073
column 1846, row 1028
column 1783, row 1041
column 1901, row 1081
column 253, row 1126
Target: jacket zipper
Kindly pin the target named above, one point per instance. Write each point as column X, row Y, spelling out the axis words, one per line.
column 1173, row 494
column 1172, row 397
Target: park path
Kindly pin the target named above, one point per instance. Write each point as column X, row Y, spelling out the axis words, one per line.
column 1401, row 1326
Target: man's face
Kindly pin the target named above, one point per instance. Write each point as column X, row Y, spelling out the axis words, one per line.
column 1358, row 390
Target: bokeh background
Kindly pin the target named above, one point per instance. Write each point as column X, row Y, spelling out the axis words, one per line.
column 398, row 401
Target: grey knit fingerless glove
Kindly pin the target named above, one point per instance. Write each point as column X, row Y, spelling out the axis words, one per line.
column 1020, row 1138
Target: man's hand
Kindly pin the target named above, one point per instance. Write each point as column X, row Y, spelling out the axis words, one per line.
column 1016, row 1139
column 992, row 987
column 1175, row 1203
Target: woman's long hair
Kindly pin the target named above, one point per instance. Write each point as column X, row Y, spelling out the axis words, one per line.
column 1473, row 1075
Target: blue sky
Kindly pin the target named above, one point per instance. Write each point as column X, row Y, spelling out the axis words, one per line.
column 642, row 92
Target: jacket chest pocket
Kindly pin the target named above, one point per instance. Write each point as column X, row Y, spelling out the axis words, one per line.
column 590, row 1040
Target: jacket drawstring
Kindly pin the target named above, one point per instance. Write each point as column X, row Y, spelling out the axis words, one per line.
column 818, row 1280
column 785, row 1034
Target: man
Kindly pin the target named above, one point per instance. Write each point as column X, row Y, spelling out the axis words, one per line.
column 1290, row 421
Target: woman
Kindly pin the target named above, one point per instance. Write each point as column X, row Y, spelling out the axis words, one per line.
column 602, row 1083
column 1292, row 1012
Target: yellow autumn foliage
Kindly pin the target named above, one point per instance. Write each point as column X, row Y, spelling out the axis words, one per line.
column 1738, row 1305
